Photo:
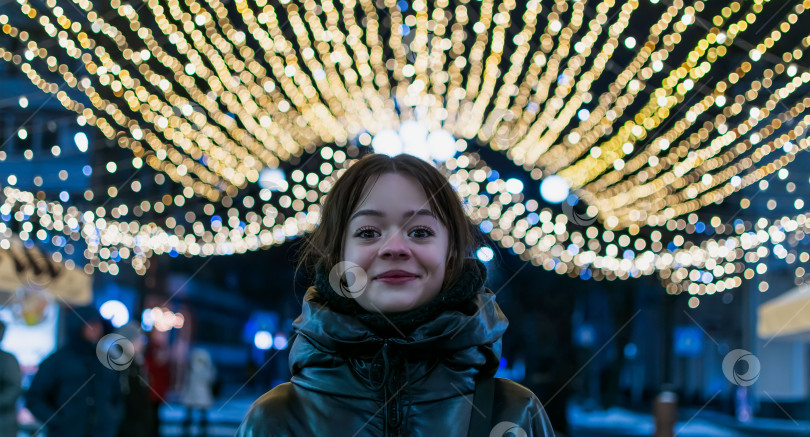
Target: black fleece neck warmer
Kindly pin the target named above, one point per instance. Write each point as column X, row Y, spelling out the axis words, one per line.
column 460, row 296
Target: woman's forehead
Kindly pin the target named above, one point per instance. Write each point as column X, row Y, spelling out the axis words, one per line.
column 394, row 197
column 393, row 213
column 392, row 188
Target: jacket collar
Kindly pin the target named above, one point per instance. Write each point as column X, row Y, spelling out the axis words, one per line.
column 335, row 352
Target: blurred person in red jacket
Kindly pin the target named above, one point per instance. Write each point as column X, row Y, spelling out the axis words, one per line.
column 158, row 367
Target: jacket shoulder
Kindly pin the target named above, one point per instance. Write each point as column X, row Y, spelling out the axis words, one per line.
column 516, row 405
column 270, row 414
column 512, row 391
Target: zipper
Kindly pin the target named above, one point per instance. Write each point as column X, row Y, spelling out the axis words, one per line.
column 393, row 414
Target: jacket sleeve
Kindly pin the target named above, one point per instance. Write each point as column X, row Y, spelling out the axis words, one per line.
column 518, row 411
column 269, row 415
column 40, row 397
column 257, row 423
column 10, row 379
column 538, row 421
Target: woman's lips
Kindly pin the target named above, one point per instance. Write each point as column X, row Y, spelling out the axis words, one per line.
column 397, row 279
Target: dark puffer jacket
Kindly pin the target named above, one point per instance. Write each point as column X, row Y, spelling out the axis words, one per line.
column 348, row 380
column 72, row 392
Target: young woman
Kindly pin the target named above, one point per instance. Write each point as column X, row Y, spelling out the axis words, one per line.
column 398, row 335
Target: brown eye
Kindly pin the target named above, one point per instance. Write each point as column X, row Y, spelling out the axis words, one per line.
column 363, row 231
column 427, row 232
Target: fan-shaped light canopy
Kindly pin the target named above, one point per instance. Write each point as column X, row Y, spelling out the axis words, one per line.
column 653, row 113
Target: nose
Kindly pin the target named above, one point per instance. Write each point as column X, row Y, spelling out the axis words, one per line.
column 395, row 246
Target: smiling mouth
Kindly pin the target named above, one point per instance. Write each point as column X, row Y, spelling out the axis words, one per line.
column 396, row 279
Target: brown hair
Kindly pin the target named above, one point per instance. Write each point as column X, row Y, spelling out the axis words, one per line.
column 322, row 249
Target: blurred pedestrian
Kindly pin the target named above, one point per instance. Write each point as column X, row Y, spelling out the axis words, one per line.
column 398, row 331
column 158, row 366
column 197, row 392
column 137, row 420
column 73, row 394
column 10, row 377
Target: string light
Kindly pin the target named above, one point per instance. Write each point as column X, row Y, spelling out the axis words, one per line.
column 193, row 98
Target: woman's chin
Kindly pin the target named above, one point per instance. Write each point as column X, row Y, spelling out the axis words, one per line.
column 389, row 301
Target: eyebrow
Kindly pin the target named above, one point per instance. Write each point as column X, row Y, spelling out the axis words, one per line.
column 376, row 213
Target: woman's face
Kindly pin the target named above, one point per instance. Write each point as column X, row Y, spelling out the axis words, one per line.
column 393, row 228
